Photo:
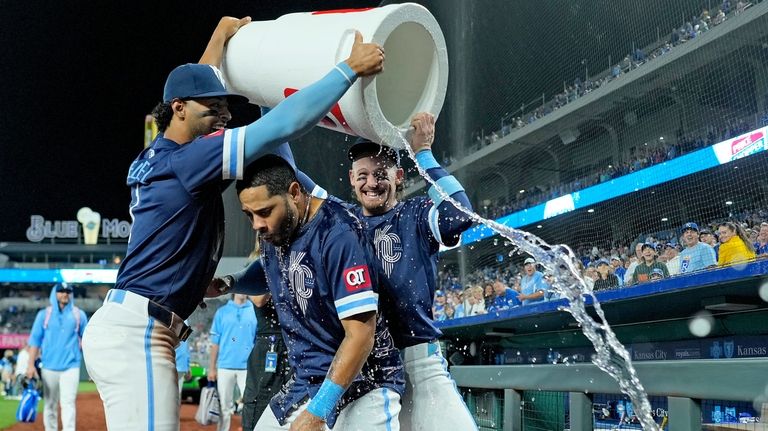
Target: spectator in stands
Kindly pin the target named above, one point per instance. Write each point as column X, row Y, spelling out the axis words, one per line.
column 618, row 268
column 606, row 280
column 590, row 275
column 505, row 297
column 438, row 308
column 56, row 335
column 182, row 363
column 629, row 274
column 489, row 295
column 735, row 246
column 645, row 269
column 761, row 246
column 672, row 256
column 458, row 304
column 696, row 255
column 708, row 237
column 474, row 302
column 532, row 285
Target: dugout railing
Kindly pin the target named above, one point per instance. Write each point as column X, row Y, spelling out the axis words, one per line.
column 518, row 379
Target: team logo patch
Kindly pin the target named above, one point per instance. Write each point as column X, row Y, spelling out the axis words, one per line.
column 357, row 277
column 388, row 248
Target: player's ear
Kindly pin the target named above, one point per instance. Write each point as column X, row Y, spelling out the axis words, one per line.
column 177, row 106
column 399, row 175
column 351, row 177
column 294, row 190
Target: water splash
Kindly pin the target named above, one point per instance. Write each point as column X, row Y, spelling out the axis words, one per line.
column 560, row 261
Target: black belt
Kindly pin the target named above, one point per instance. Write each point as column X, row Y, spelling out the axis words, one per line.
column 169, row 319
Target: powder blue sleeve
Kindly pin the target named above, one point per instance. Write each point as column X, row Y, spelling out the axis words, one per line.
column 36, row 336
column 216, row 327
column 297, row 114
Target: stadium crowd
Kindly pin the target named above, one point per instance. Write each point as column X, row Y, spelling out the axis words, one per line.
column 741, row 238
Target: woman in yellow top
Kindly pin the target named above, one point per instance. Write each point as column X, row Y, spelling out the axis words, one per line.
column 735, row 246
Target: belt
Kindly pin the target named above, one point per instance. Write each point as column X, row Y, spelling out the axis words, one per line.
column 152, row 309
column 421, row 351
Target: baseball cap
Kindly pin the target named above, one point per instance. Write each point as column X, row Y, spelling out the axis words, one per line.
column 197, row 81
column 670, row 245
column 602, row 262
column 63, row 287
column 657, row 273
column 439, row 293
column 648, row 245
column 366, row 148
column 705, row 232
column 690, row 226
column 616, row 258
column 529, row 260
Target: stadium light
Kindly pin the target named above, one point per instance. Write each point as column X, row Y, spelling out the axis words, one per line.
column 729, row 202
column 539, row 226
column 591, row 210
column 664, row 219
column 522, row 191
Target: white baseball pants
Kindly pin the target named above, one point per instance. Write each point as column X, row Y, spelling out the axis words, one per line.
column 225, row 384
column 60, row 386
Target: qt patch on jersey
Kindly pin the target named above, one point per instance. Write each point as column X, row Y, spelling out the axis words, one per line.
column 357, row 278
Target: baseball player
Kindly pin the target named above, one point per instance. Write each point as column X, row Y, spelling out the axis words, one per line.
column 315, row 262
column 431, row 401
column 56, row 334
column 178, row 224
column 232, row 336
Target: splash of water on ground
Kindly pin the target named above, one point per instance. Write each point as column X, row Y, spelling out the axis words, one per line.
column 560, row 261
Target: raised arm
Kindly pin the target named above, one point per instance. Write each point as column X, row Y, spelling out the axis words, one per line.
column 227, row 27
column 446, row 221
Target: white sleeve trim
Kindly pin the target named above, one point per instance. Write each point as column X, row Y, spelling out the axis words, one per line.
column 233, row 154
column 356, row 304
column 434, row 226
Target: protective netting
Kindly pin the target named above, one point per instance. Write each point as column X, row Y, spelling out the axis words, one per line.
column 605, row 127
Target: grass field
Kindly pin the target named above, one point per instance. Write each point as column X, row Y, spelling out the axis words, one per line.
column 8, row 407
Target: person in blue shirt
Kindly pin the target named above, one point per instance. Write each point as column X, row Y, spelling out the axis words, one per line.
column 761, row 245
column 697, row 255
column 232, row 337
column 56, row 335
column 178, row 223
column 532, row 285
column 618, row 268
column 506, row 297
column 315, row 260
column 182, row 364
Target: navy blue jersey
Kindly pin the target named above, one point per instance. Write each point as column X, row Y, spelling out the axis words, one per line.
column 407, row 248
column 178, row 217
column 322, row 277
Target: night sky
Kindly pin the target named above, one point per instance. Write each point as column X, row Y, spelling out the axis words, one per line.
column 77, row 80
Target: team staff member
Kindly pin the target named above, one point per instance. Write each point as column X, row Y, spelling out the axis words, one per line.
column 232, row 336
column 315, row 260
column 56, row 333
column 178, row 224
column 268, row 367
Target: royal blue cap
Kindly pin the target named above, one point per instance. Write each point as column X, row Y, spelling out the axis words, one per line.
column 197, row 81
column 366, row 148
column 690, row 225
column 602, row 262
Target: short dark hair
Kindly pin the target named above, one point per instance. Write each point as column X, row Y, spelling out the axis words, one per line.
column 162, row 114
column 270, row 171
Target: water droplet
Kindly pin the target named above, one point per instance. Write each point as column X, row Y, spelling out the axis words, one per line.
column 701, row 324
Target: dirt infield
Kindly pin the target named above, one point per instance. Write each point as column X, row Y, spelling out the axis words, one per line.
column 90, row 416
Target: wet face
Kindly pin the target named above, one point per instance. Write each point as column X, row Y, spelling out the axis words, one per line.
column 374, row 180
column 725, row 233
column 275, row 218
column 204, row 116
column 691, row 237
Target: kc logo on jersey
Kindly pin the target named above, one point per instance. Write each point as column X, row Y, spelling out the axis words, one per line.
column 388, row 248
column 357, row 278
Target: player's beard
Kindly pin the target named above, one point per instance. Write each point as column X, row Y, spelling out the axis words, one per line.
column 287, row 228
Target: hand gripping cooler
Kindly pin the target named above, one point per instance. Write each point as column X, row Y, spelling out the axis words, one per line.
column 267, row 61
